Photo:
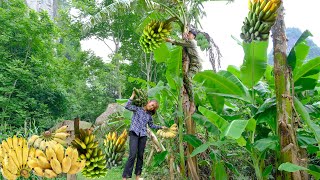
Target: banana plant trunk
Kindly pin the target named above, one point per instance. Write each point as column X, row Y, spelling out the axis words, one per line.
column 289, row 149
column 190, row 124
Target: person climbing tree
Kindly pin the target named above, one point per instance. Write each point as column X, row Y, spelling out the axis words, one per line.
column 194, row 65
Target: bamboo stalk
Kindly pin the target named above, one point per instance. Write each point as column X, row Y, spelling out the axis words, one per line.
column 171, row 166
column 150, row 156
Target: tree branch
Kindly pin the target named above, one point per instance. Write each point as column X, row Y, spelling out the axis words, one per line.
column 103, row 40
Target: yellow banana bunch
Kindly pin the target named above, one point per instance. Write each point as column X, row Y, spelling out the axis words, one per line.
column 49, row 139
column 169, row 133
column 154, row 34
column 88, row 149
column 261, row 17
column 15, row 154
column 56, row 160
column 115, row 148
column 141, row 97
column 2, row 154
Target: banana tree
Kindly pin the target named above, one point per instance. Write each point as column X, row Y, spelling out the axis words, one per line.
column 294, row 77
column 169, row 96
column 258, row 119
column 255, row 32
column 286, row 129
column 180, row 11
column 287, row 79
column 226, row 85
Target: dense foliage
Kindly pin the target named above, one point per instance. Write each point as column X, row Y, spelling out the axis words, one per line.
column 45, row 78
column 44, row 74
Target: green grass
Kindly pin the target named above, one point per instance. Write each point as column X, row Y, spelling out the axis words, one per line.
column 113, row 174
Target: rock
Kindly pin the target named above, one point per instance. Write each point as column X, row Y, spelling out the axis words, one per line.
column 112, row 108
column 44, row 5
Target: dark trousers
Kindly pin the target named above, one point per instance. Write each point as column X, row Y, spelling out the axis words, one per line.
column 137, row 145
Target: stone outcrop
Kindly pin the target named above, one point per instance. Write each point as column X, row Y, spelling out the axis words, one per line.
column 51, row 6
column 112, row 108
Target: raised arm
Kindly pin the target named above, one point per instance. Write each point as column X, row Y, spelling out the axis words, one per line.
column 129, row 104
column 187, row 44
column 184, row 44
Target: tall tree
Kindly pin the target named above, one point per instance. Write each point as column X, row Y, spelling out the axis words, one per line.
column 28, row 67
column 112, row 23
column 285, row 119
column 91, row 85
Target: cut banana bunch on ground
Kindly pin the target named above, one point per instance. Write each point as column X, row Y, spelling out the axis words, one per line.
column 15, row 154
column 56, row 160
column 154, row 34
column 49, row 139
column 141, row 97
column 261, row 17
column 115, row 148
column 88, row 149
column 169, row 133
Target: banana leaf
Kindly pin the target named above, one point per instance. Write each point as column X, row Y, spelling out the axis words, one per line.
column 222, row 84
column 174, row 65
column 299, row 51
column 306, row 76
column 315, row 129
column 254, row 63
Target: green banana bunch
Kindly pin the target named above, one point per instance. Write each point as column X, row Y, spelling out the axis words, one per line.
column 154, row 34
column 115, row 148
column 88, row 150
column 202, row 42
column 141, row 97
column 261, row 17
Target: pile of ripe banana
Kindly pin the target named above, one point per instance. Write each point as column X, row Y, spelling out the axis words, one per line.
column 261, row 17
column 88, row 149
column 14, row 155
column 115, row 148
column 169, row 133
column 56, row 160
column 141, row 97
column 49, row 139
column 154, row 34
